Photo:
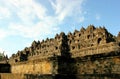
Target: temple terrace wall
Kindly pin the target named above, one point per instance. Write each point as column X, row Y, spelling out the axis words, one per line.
column 34, row 67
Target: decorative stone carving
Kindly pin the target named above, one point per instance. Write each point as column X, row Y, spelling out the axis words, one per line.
column 76, row 43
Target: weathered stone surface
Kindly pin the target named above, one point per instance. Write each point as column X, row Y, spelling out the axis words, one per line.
column 88, row 51
column 33, row 67
column 89, row 42
column 11, row 76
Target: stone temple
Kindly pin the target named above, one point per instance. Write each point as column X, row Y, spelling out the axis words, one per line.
column 89, row 51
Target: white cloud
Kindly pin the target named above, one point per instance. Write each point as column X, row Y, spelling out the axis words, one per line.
column 27, row 10
column 3, row 34
column 33, row 20
column 32, row 17
column 39, row 29
column 65, row 8
column 4, row 13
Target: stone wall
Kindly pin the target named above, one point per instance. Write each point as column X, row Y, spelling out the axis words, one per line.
column 107, row 65
column 11, row 76
column 60, row 76
column 34, row 67
column 88, row 51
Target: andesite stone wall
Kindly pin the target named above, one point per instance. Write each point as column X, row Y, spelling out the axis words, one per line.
column 88, row 51
column 34, row 67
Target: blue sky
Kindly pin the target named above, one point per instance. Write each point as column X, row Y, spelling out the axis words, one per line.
column 22, row 21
